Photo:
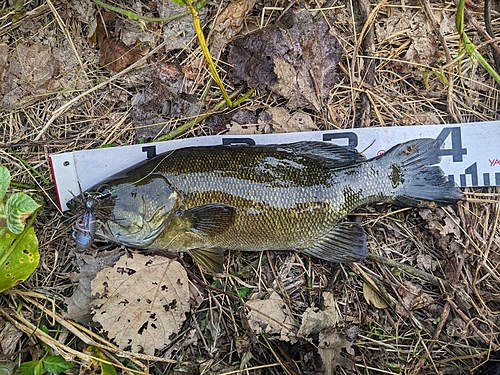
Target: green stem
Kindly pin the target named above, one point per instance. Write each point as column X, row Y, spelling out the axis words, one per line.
column 27, row 165
column 136, row 17
column 413, row 271
column 22, row 185
column 206, row 52
column 468, row 46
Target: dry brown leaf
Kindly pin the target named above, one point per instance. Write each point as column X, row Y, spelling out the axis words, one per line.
column 425, row 262
column 313, row 322
column 423, row 48
column 297, row 62
column 78, row 305
column 179, row 32
column 372, row 297
column 9, row 339
column 412, row 298
column 280, row 120
column 115, row 55
column 162, row 101
column 330, row 349
column 271, row 316
column 229, row 23
column 32, row 70
column 141, row 301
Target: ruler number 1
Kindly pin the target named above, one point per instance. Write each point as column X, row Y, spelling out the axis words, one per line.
column 456, row 150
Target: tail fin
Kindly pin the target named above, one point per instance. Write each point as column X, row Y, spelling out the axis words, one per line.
column 418, row 181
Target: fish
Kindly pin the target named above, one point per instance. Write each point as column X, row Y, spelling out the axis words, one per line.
column 296, row 196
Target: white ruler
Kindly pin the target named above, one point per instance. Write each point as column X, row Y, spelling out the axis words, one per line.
column 471, row 152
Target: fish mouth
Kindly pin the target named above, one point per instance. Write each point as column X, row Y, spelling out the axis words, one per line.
column 113, row 232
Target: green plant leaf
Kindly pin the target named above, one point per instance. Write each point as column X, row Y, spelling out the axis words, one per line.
column 243, row 292
column 18, row 259
column 4, row 181
column 44, row 329
column 57, row 364
column 180, row 2
column 106, row 369
column 31, row 368
column 18, row 208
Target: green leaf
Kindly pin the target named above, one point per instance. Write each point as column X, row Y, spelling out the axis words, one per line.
column 106, row 369
column 243, row 292
column 44, row 329
column 18, row 5
column 31, row 368
column 18, row 259
column 4, row 181
column 57, row 364
column 180, row 2
column 18, row 208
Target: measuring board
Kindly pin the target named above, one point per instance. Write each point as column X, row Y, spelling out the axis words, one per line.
column 470, row 152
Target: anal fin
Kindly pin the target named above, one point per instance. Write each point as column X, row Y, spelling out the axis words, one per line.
column 345, row 243
column 209, row 258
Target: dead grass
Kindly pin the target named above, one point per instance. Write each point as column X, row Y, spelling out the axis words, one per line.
column 449, row 326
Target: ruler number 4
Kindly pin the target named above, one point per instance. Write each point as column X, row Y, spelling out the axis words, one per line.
column 456, row 150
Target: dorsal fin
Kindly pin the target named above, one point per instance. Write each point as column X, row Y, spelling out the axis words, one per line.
column 333, row 154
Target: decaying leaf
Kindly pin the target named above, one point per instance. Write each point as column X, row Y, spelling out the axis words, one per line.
column 229, row 23
column 372, row 297
column 78, row 305
column 162, row 101
column 423, row 48
column 280, row 120
column 271, row 120
column 9, row 338
column 179, row 32
column 141, row 301
column 297, row 62
column 314, row 321
column 444, row 227
column 412, row 298
column 330, row 349
column 271, row 316
column 32, row 70
column 115, row 55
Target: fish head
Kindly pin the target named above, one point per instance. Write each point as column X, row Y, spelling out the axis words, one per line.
column 133, row 211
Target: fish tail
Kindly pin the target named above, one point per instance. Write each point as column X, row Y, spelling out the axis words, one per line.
column 415, row 176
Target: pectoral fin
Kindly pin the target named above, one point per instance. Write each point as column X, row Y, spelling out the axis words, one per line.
column 209, row 219
column 345, row 243
column 211, row 259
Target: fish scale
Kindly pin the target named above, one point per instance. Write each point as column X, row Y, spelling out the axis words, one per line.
column 203, row 200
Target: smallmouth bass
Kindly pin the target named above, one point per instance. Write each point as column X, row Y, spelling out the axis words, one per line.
column 203, row 200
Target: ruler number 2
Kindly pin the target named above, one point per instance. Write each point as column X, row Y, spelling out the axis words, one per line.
column 456, row 150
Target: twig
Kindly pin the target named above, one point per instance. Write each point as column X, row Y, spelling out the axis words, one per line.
column 467, row 320
column 437, row 281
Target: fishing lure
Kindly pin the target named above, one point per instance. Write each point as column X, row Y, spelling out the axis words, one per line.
column 87, row 216
column 85, row 224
